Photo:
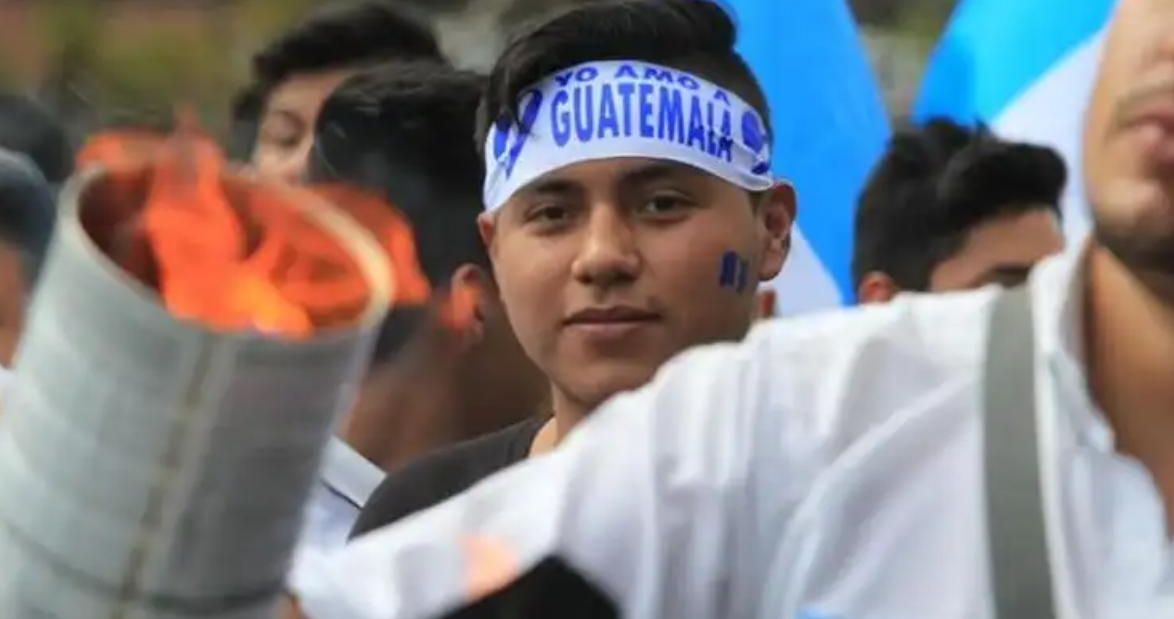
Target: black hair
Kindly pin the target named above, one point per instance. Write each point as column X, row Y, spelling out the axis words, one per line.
column 345, row 34
column 404, row 131
column 937, row 182
column 339, row 35
column 29, row 129
column 688, row 35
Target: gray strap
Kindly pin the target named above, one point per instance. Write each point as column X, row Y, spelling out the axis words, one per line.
column 1021, row 576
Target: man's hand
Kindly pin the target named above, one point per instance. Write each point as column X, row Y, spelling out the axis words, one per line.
column 289, row 608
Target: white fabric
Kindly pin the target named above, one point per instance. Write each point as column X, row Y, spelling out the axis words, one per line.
column 606, row 109
column 345, row 484
column 1051, row 113
column 830, row 467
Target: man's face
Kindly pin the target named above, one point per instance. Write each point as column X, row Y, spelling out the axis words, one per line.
column 1129, row 139
column 609, row 268
column 12, row 302
column 286, row 132
column 1000, row 251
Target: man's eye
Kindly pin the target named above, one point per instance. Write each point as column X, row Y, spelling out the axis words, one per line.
column 665, row 204
column 286, row 142
column 548, row 214
column 283, row 138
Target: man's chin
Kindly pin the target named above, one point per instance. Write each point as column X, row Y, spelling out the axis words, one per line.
column 1145, row 250
column 596, row 385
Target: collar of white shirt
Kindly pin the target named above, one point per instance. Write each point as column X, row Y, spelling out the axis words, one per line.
column 345, row 482
column 348, row 473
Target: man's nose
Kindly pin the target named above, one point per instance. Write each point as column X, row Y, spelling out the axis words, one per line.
column 608, row 255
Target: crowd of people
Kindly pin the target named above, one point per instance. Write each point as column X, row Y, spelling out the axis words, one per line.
column 622, row 430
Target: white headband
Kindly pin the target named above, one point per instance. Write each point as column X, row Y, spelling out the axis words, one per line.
column 601, row 110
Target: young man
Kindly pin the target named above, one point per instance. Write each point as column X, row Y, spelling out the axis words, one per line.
column 402, row 131
column 951, row 208
column 854, row 464
column 274, row 116
column 633, row 220
column 35, row 158
column 27, row 213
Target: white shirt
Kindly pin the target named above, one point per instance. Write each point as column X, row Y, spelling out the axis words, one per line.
column 829, row 467
column 345, row 482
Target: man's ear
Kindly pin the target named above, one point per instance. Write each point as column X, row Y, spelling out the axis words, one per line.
column 776, row 210
column 487, row 227
column 876, row 287
column 470, row 276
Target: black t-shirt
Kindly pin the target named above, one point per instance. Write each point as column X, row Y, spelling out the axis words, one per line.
column 431, row 479
column 552, row 588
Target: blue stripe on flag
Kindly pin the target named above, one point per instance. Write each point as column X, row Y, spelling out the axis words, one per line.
column 993, row 50
column 829, row 120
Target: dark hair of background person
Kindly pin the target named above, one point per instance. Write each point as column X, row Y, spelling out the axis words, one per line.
column 405, row 131
column 687, row 35
column 937, row 182
column 29, row 129
column 339, row 35
column 36, row 157
column 27, row 210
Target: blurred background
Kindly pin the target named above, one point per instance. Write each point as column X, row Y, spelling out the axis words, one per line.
column 102, row 62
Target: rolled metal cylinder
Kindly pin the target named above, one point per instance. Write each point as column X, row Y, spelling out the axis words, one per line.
column 150, row 467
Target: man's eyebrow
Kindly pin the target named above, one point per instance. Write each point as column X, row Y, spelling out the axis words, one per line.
column 658, row 170
column 553, row 186
column 283, row 113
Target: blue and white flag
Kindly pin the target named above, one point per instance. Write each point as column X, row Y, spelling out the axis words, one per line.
column 1025, row 67
column 830, row 127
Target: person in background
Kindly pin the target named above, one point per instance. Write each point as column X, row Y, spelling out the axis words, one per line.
column 28, row 128
column 988, row 453
column 613, row 252
column 403, row 131
column 35, row 159
column 950, row 207
column 274, row 116
column 27, row 214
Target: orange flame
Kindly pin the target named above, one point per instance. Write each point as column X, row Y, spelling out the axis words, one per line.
column 231, row 253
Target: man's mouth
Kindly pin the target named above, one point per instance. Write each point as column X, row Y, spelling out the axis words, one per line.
column 611, row 315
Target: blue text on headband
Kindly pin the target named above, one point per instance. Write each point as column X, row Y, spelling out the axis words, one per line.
column 607, row 109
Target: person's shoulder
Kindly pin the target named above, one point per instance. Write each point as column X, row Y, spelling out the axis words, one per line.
column 939, row 330
column 844, row 372
column 843, row 366
column 433, row 478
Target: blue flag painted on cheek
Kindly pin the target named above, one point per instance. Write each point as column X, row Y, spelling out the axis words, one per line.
column 830, row 127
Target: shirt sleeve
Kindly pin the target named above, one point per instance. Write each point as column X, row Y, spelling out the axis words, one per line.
column 651, row 502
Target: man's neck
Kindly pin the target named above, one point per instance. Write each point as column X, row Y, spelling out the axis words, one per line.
column 401, row 414
column 566, row 413
column 1129, row 335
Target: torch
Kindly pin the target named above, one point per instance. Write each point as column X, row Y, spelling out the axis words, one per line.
column 194, row 336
